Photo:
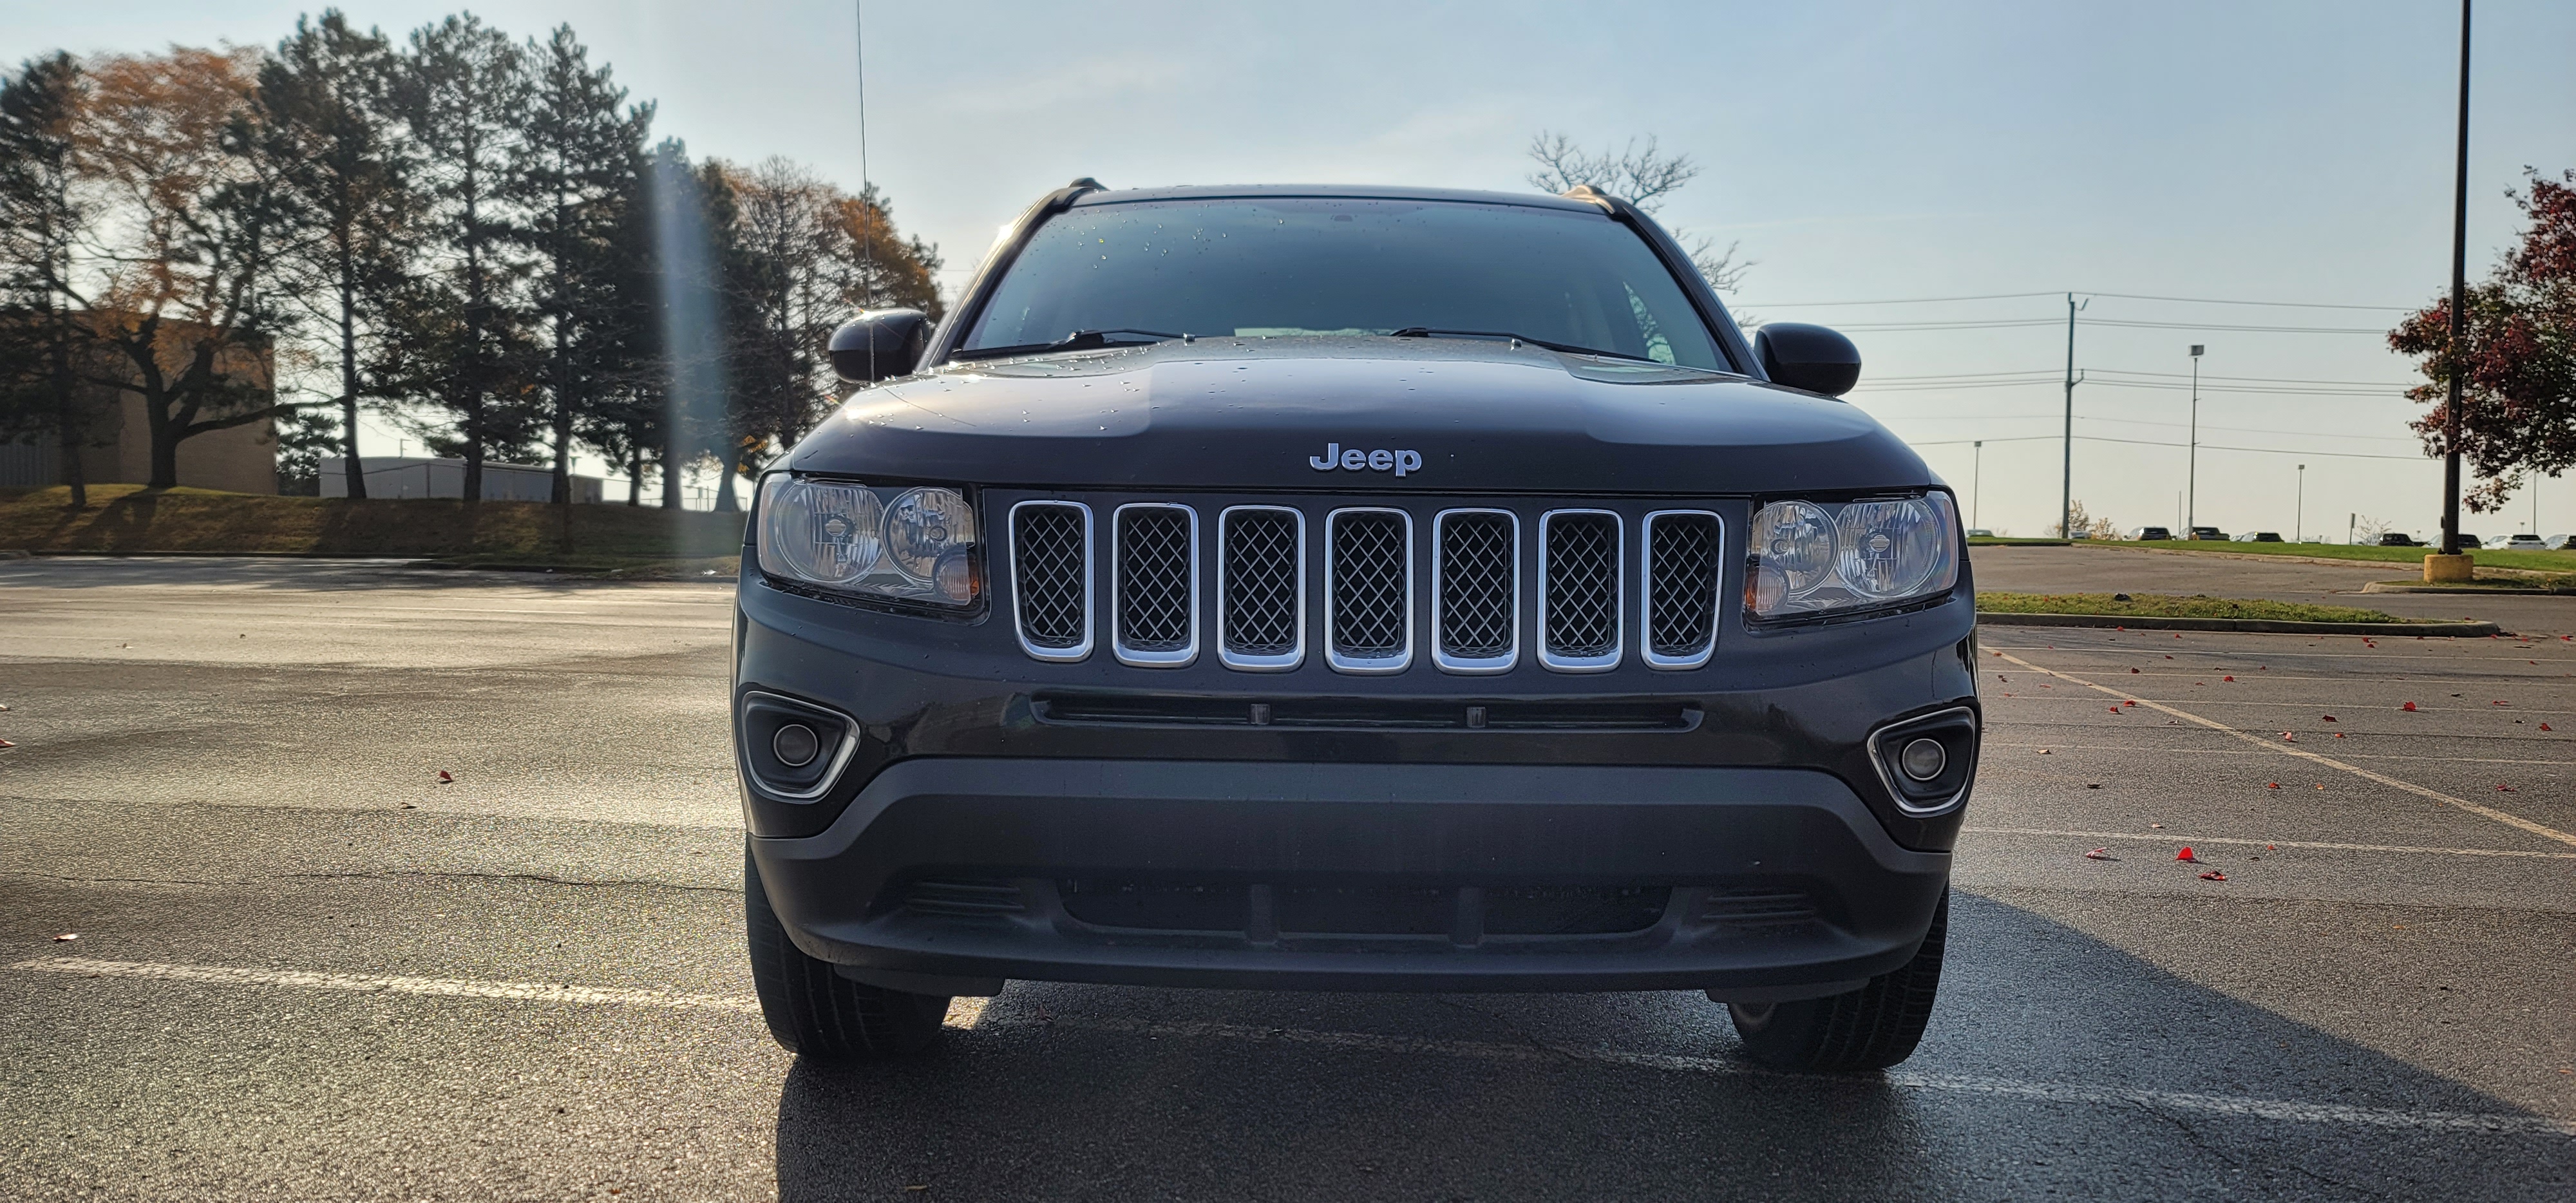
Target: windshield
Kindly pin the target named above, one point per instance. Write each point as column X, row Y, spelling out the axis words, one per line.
column 1310, row 266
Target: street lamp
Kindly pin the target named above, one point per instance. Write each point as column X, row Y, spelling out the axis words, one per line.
column 1976, row 480
column 2299, row 521
column 2191, row 479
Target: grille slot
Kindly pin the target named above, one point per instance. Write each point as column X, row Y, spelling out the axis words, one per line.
column 1681, row 571
column 1051, row 578
column 1475, row 592
column 964, row 899
column 1154, row 596
column 1368, row 590
column 1579, row 590
column 1261, row 588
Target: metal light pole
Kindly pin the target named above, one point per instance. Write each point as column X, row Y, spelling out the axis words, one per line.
column 2066, row 497
column 2459, row 305
column 1977, row 480
column 2191, row 478
column 2299, row 520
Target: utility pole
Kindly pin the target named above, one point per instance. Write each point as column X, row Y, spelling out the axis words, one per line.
column 2066, row 496
column 2459, row 306
column 2299, row 520
column 2191, row 478
column 1977, row 483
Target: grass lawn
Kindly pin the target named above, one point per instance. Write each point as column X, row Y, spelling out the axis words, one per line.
column 495, row 534
column 2154, row 605
column 2532, row 561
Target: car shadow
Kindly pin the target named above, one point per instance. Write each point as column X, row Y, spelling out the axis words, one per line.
column 2056, row 1065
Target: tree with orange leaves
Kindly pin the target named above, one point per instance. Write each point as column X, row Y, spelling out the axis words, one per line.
column 2517, row 354
column 179, row 260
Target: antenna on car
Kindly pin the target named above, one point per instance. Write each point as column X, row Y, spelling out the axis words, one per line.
column 867, row 202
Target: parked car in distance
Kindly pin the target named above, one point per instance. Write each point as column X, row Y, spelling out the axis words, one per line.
column 2262, row 536
column 1979, row 532
column 2146, row 533
column 2521, row 542
column 2397, row 539
column 2208, row 533
column 2560, row 543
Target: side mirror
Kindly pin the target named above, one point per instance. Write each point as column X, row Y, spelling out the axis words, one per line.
column 880, row 344
column 1808, row 357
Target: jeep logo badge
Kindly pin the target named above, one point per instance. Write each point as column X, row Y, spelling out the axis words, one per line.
column 1356, row 460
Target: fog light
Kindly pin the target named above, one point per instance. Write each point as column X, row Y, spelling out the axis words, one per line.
column 1923, row 759
column 796, row 745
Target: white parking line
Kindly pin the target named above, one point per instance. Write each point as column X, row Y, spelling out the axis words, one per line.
column 377, row 983
column 2161, row 838
column 971, row 1014
column 2510, row 820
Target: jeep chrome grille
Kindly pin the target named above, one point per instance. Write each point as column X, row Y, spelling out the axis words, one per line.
column 1578, row 602
column 1680, row 576
column 1475, row 592
column 1261, row 587
column 1478, row 583
column 1154, row 600
column 1368, row 590
column 1051, row 578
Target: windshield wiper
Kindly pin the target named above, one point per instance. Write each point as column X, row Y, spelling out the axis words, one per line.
column 1079, row 340
column 1568, row 348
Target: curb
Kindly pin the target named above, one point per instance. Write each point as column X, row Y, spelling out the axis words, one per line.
column 2328, row 561
column 2265, row 626
column 2491, row 591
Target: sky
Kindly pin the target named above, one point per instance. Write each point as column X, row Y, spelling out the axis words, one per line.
column 1857, row 152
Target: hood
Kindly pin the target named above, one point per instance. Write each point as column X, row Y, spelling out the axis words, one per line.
column 1437, row 415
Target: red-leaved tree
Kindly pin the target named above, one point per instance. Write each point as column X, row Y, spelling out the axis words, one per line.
column 2517, row 355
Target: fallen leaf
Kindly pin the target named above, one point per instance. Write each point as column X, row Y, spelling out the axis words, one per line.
column 444, row 779
column 2115, row 710
column 2092, row 785
column 67, row 937
column 2270, row 848
column 2134, row 670
column 2043, row 751
column 2213, row 875
column 2227, row 678
column 2185, row 854
column 2409, row 707
column 2100, row 854
column 2544, row 726
column 2274, row 785
column 2157, row 826
column 2507, row 789
column 2498, row 703
column 2330, row 718
column 409, row 806
column 2338, row 735
column 6, row 744
column 2286, row 737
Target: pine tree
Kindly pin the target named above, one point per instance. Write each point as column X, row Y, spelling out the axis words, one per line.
column 463, row 91
column 327, row 115
column 576, row 166
column 43, row 214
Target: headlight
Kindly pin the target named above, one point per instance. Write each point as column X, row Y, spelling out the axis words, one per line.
column 907, row 543
column 1807, row 557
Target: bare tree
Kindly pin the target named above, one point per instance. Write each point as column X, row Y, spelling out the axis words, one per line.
column 1643, row 176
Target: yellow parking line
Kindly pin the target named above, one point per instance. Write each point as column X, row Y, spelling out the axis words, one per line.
column 2510, row 820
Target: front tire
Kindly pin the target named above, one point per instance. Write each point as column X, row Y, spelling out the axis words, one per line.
column 1873, row 1027
column 815, row 1012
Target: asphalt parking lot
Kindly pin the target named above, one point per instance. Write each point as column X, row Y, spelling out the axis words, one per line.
column 307, row 969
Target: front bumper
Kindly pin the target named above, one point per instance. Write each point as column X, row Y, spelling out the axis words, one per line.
column 1751, row 883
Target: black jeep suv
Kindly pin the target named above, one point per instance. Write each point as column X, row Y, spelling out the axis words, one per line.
column 1351, row 589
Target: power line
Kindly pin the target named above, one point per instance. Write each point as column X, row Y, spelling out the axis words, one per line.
column 2101, row 438
column 2132, row 296
column 2112, row 321
column 2126, row 296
